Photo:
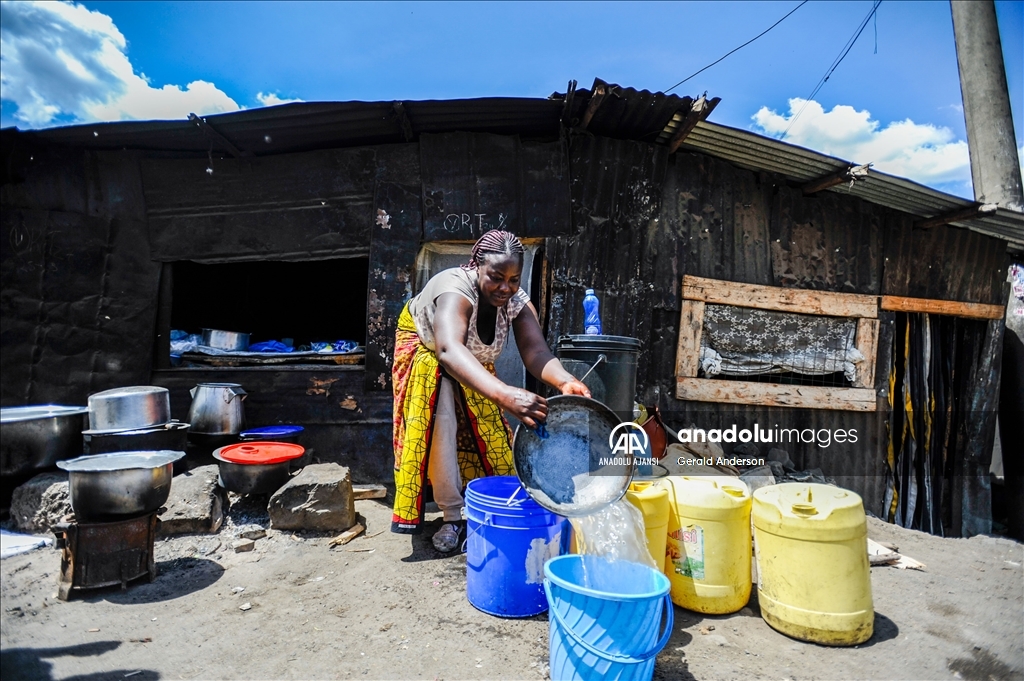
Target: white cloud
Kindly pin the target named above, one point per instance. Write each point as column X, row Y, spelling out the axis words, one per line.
column 272, row 99
column 61, row 61
column 1020, row 159
column 921, row 152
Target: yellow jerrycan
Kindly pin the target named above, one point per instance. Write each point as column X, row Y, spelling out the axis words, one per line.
column 708, row 547
column 651, row 497
column 813, row 579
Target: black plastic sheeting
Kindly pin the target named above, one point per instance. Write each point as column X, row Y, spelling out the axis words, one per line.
column 77, row 310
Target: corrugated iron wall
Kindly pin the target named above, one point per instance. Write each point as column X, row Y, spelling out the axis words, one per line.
column 615, row 185
column 642, row 219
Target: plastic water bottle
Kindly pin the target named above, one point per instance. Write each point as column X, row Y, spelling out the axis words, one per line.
column 591, row 314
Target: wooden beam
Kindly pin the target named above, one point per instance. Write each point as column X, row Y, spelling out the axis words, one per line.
column 947, row 307
column 775, row 395
column 867, row 343
column 691, row 326
column 597, row 95
column 850, row 174
column 976, row 211
column 698, row 112
column 216, row 137
column 801, row 301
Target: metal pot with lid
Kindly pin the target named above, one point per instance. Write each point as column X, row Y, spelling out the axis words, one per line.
column 256, row 467
column 122, row 484
column 128, row 408
column 216, row 409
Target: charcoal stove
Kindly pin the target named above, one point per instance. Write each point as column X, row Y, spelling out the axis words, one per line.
column 102, row 554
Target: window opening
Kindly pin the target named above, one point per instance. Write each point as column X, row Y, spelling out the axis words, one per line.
column 301, row 304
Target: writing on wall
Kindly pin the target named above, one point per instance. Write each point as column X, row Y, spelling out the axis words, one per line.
column 475, row 224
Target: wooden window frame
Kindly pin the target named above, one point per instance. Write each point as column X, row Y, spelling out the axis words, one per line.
column 698, row 291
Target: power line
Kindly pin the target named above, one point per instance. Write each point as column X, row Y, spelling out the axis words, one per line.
column 738, row 48
column 835, row 64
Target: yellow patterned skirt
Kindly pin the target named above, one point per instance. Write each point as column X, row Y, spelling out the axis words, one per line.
column 484, row 437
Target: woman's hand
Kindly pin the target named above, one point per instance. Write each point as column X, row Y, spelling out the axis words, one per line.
column 574, row 387
column 529, row 408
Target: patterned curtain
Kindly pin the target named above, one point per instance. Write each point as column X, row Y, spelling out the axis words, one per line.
column 740, row 341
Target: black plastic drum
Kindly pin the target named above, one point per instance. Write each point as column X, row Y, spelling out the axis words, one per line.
column 613, row 380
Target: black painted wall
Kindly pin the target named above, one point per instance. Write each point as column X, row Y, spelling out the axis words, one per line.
column 85, row 234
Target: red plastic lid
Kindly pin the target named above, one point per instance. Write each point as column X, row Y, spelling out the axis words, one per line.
column 261, row 452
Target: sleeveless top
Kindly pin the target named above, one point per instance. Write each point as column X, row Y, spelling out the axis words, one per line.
column 457, row 280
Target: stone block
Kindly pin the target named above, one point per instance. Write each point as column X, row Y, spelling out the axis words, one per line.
column 41, row 503
column 196, row 504
column 319, row 499
column 243, row 545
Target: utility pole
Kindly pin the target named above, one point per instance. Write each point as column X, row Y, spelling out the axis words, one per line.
column 995, row 169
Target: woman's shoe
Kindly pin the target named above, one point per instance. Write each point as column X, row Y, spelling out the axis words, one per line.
column 448, row 538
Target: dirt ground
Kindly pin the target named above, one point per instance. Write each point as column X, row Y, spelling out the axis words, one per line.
column 388, row 606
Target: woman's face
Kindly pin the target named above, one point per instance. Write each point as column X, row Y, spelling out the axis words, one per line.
column 499, row 277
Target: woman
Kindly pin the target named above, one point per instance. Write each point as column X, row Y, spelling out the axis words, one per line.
column 449, row 426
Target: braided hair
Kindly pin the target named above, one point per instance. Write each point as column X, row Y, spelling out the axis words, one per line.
column 494, row 242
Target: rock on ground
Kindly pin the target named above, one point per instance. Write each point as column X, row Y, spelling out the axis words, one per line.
column 41, row 502
column 319, row 498
column 196, row 504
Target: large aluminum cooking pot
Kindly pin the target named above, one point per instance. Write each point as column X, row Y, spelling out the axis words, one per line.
column 226, row 340
column 171, row 436
column 35, row 438
column 217, row 409
column 129, row 408
column 127, row 483
column 572, row 471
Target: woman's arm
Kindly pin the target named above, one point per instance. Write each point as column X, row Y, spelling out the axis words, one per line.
column 451, row 325
column 538, row 358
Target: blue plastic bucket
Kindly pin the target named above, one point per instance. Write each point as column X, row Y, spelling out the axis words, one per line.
column 509, row 539
column 604, row 618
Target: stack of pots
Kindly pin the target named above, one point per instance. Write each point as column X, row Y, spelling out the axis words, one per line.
column 216, row 416
column 134, row 418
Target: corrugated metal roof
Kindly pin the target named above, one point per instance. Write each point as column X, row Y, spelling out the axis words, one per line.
column 799, row 165
column 318, row 125
column 629, row 114
column 626, row 113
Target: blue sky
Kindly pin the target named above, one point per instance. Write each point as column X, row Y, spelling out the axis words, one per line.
column 899, row 106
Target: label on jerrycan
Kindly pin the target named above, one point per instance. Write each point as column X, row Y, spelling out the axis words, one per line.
column 688, row 555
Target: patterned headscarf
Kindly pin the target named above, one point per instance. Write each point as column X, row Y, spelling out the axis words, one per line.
column 497, row 242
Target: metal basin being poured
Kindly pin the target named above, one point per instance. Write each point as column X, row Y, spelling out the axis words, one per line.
column 572, row 471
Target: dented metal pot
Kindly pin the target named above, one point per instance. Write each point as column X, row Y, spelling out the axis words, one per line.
column 217, row 409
